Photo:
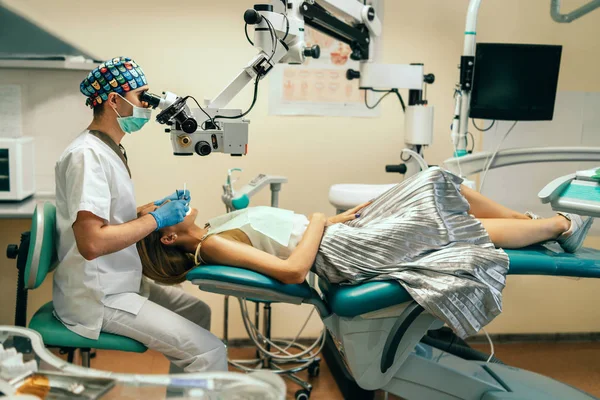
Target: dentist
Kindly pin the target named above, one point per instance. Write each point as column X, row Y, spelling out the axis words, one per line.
column 98, row 283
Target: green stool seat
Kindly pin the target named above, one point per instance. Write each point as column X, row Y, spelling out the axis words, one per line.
column 55, row 334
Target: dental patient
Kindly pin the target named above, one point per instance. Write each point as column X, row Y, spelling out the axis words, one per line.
column 439, row 239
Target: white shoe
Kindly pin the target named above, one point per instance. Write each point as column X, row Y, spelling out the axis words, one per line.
column 572, row 240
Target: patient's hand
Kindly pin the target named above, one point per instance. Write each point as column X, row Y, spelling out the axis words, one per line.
column 145, row 209
column 346, row 216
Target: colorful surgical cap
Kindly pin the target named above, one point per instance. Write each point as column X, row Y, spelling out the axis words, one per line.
column 119, row 75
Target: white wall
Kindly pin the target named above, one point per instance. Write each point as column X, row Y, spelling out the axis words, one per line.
column 52, row 113
column 196, row 46
column 576, row 122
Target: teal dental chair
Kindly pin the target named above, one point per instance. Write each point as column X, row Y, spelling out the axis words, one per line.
column 383, row 336
column 36, row 258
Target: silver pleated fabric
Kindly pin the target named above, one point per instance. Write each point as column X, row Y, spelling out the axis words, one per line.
column 420, row 233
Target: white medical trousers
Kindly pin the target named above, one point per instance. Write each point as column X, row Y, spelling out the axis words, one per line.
column 174, row 323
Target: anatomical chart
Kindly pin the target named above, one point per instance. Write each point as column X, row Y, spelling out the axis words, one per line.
column 319, row 86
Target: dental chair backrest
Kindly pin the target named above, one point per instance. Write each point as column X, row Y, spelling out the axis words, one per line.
column 42, row 257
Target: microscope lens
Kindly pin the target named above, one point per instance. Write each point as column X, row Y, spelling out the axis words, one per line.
column 150, row 98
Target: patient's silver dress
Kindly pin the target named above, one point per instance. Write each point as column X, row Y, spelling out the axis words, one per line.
column 420, row 233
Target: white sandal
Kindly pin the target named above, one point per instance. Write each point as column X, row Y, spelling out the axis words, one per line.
column 532, row 215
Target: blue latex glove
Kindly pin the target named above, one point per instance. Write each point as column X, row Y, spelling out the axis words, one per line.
column 177, row 195
column 170, row 214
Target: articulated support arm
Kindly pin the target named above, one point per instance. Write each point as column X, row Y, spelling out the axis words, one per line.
column 279, row 37
column 285, row 20
column 573, row 15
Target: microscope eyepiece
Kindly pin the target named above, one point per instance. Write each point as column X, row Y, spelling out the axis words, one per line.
column 151, row 98
column 252, row 17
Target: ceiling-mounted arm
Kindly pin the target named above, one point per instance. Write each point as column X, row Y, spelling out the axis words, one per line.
column 573, row 15
column 357, row 35
column 288, row 31
column 353, row 11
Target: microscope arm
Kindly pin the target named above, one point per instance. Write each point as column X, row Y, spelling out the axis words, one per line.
column 288, row 25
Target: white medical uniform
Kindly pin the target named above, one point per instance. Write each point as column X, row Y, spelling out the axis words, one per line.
column 108, row 293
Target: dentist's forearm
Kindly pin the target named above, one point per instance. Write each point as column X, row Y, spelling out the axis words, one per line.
column 117, row 237
column 95, row 238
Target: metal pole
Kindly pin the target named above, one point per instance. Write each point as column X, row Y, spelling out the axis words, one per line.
column 21, row 304
column 275, row 188
column 226, row 320
column 256, row 314
column 85, row 357
column 267, row 330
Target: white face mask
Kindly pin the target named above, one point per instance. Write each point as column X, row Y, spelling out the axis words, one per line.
column 136, row 121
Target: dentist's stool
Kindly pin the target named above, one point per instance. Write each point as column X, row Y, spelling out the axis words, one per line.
column 36, row 258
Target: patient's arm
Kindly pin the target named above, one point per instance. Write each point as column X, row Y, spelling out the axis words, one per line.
column 222, row 251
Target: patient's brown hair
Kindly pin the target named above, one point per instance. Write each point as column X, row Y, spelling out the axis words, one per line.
column 163, row 264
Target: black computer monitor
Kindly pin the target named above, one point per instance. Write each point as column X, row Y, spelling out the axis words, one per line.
column 515, row 82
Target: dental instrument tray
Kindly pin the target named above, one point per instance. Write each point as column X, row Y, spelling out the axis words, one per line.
column 577, row 193
column 27, row 367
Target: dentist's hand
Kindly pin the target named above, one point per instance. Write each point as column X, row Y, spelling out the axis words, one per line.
column 170, row 214
column 177, row 195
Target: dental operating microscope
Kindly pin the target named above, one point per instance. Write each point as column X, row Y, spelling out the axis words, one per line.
column 279, row 38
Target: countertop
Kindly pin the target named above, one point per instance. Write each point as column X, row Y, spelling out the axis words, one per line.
column 23, row 209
